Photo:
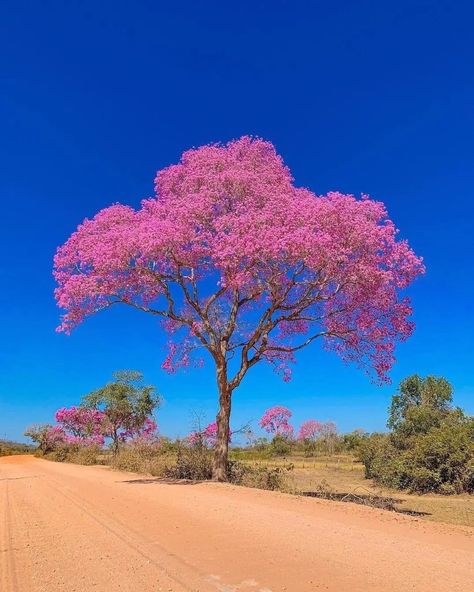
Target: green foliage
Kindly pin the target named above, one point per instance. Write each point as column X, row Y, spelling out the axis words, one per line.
column 431, row 447
column 281, row 445
column 435, row 394
column 127, row 402
column 353, row 441
column 252, row 453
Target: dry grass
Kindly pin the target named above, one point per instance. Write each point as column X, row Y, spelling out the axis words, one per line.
column 342, row 474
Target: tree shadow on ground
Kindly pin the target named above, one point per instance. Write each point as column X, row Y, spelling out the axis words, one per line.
column 160, row 480
column 366, row 499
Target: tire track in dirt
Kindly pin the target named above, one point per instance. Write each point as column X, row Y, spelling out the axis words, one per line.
column 9, row 578
column 136, row 541
column 132, row 539
column 204, row 580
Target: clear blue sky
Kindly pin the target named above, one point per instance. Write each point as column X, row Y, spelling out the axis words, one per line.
column 374, row 97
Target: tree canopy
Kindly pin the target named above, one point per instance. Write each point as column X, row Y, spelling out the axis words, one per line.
column 127, row 404
column 430, row 394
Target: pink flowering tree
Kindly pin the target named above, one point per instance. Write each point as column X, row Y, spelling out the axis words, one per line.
column 276, row 421
column 82, row 426
column 207, row 437
column 308, row 434
column 240, row 262
column 309, row 430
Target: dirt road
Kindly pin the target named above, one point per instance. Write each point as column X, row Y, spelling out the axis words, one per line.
column 80, row 529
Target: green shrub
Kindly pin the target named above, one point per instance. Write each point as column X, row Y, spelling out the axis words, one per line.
column 352, row 442
column 440, row 460
column 431, row 447
column 281, row 445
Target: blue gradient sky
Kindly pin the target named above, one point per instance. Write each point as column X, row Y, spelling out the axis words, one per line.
column 373, row 97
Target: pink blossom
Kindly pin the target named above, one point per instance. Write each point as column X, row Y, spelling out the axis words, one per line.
column 147, row 433
column 276, row 421
column 93, row 440
column 230, row 215
column 310, row 430
column 54, row 437
column 206, row 437
column 81, row 425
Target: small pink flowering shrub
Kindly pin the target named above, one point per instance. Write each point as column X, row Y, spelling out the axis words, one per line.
column 207, row 437
column 145, row 435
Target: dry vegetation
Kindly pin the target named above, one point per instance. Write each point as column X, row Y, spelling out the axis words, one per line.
column 8, row 447
column 343, row 474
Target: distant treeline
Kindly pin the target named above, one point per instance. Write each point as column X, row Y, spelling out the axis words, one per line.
column 7, row 447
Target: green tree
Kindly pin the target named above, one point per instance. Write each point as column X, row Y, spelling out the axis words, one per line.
column 355, row 439
column 127, row 403
column 431, row 394
column 431, row 446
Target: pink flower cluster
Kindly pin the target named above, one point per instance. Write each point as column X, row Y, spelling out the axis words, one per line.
column 146, row 434
column 276, row 421
column 230, row 216
column 310, row 430
column 81, row 426
column 54, row 437
column 206, row 437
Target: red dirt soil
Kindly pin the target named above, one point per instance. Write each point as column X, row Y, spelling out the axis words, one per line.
column 79, row 529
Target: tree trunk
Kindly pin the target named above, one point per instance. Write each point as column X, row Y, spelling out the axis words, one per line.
column 221, row 452
column 115, row 442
